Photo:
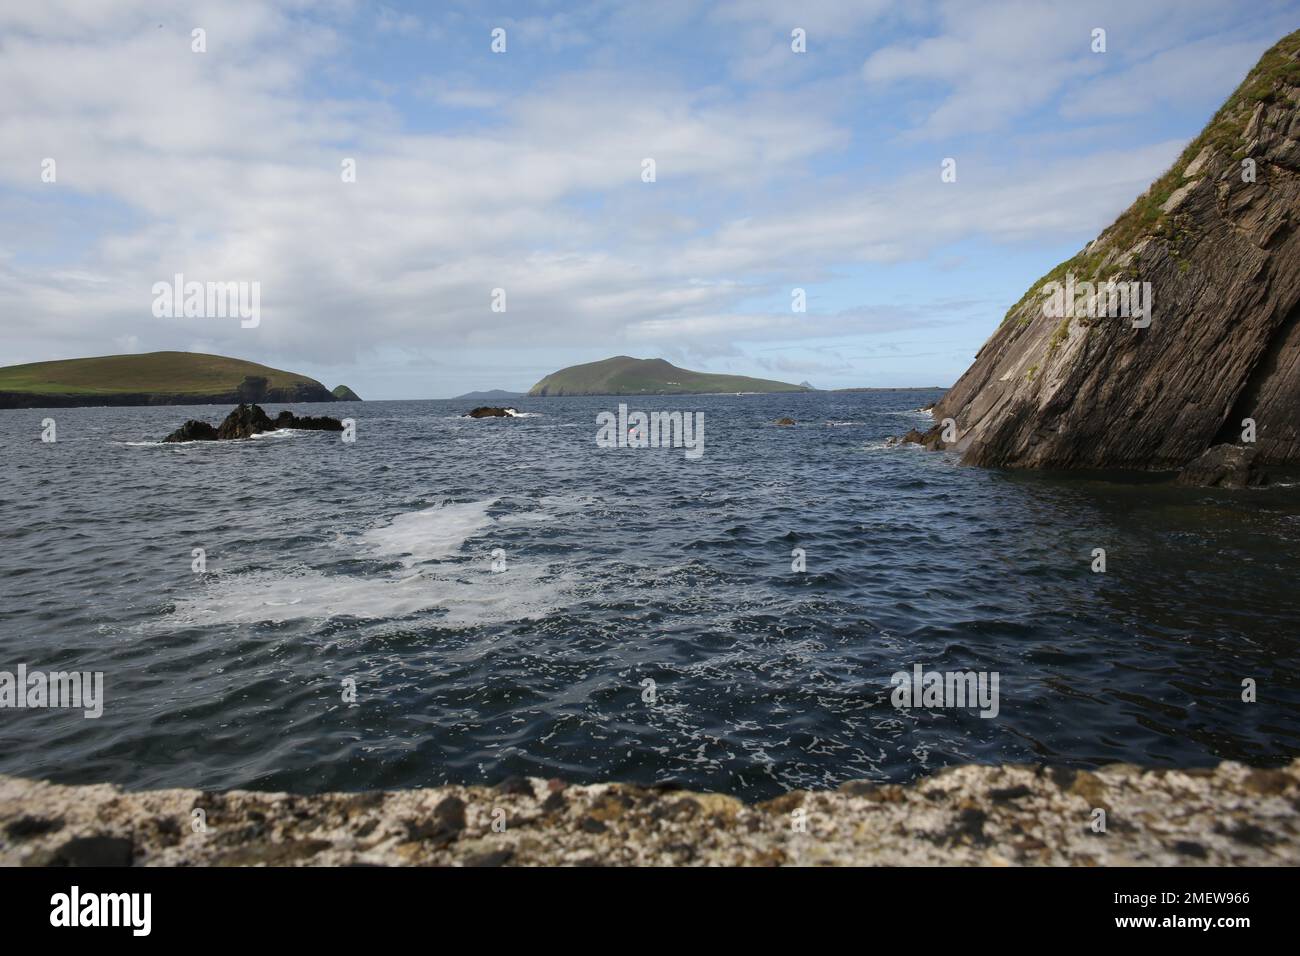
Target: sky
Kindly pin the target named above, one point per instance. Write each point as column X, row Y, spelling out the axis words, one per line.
column 524, row 170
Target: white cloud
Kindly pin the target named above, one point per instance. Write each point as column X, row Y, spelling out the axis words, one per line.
column 1204, row 69
column 225, row 166
column 998, row 62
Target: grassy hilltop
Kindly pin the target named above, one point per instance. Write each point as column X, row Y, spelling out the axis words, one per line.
column 152, row 378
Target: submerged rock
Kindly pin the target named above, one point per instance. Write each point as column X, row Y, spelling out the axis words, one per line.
column 1214, row 244
column 491, row 411
column 249, row 420
column 784, row 421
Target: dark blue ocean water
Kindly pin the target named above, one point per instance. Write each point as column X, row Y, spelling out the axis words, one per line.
column 373, row 562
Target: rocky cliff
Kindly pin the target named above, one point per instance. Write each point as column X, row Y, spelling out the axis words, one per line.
column 1110, row 388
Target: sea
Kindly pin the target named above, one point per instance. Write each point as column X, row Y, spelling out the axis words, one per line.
column 456, row 600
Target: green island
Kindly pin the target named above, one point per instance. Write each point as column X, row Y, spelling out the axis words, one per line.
column 156, row 378
column 622, row 375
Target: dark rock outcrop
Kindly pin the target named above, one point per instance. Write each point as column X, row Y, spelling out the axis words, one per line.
column 249, row 420
column 316, row 423
column 245, row 422
column 784, row 421
column 1225, row 466
column 193, row 430
column 1215, row 237
column 490, row 411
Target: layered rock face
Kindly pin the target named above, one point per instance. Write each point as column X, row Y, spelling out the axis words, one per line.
column 1216, row 239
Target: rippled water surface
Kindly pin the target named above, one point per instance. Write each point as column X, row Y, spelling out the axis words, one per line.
column 374, row 562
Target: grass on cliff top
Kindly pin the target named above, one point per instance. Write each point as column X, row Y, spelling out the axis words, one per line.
column 1277, row 69
column 172, row 373
column 622, row 375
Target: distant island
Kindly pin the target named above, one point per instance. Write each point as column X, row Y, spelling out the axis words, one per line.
column 157, row 378
column 491, row 395
column 894, row 388
column 623, row 375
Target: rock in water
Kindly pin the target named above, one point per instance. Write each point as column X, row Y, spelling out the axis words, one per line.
column 249, row 420
column 491, row 411
column 193, row 430
column 1224, row 466
column 785, row 421
column 1216, row 239
column 245, row 422
column 320, row 423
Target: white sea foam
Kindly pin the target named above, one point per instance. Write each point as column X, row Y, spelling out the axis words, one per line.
column 430, row 534
column 510, row 413
column 892, row 445
column 455, row 594
column 277, row 433
column 169, row 444
column 481, row 597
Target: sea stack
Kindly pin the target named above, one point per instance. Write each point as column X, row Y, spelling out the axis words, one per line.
column 1213, row 244
column 247, row 421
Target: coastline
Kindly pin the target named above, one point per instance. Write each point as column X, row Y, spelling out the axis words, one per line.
column 42, row 400
column 971, row 815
